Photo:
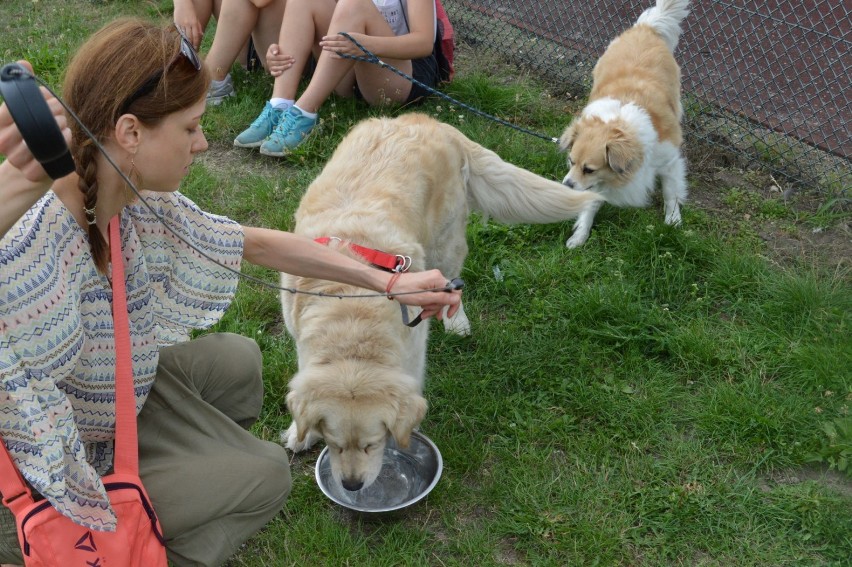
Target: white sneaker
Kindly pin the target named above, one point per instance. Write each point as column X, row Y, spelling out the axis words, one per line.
column 220, row 90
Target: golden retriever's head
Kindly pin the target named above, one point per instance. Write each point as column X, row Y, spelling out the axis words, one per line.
column 355, row 407
column 601, row 154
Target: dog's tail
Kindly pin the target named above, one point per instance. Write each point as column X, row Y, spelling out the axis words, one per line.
column 665, row 18
column 511, row 194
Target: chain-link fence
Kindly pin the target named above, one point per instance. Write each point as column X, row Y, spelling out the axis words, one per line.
column 766, row 79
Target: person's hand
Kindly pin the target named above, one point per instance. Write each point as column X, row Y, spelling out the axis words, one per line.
column 432, row 302
column 339, row 45
column 187, row 21
column 12, row 144
column 276, row 61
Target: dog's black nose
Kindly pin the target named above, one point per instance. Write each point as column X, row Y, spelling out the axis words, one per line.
column 568, row 183
column 350, row 485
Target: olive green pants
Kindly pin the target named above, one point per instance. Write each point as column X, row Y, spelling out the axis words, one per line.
column 213, row 484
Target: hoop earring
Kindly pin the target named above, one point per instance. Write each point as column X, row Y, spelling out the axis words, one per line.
column 129, row 195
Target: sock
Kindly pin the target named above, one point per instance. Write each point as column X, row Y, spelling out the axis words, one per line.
column 214, row 83
column 306, row 114
column 282, row 103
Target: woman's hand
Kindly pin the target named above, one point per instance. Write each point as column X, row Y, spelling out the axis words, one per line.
column 276, row 61
column 432, row 302
column 338, row 45
column 187, row 21
column 23, row 181
column 12, row 144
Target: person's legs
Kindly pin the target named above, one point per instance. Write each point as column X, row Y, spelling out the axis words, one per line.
column 245, row 52
column 213, row 484
column 304, row 22
column 376, row 84
column 335, row 74
column 10, row 549
column 268, row 26
column 236, row 20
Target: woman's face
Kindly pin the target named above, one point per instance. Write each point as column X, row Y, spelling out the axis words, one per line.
column 167, row 150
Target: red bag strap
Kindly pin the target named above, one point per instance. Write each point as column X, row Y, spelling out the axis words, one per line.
column 126, row 445
column 16, row 493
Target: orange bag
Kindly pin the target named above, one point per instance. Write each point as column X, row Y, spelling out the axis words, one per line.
column 49, row 539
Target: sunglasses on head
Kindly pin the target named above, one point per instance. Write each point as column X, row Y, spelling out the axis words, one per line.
column 186, row 50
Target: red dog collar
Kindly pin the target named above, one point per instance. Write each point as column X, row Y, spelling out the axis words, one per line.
column 389, row 262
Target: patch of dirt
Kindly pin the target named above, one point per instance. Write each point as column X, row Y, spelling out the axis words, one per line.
column 224, row 160
column 831, row 479
column 802, row 228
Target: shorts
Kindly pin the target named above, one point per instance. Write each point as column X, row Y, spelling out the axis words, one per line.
column 424, row 70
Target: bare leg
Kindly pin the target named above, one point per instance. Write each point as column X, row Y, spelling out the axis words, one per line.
column 268, row 25
column 236, row 21
column 242, row 56
column 335, row 74
column 304, row 23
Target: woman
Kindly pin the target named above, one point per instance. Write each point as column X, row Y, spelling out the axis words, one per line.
column 400, row 32
column 212, row 482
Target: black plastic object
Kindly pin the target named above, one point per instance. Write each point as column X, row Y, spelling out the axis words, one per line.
column 35, row 121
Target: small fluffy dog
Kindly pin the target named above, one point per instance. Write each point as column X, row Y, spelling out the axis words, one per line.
column 629, row 132
column 402, row 186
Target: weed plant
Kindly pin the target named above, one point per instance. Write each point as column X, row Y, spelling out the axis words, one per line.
column 661, row 396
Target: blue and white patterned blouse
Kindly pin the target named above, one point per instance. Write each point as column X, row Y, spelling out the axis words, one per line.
column 57, row 354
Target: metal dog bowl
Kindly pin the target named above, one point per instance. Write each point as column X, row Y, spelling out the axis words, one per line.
column 407, row 476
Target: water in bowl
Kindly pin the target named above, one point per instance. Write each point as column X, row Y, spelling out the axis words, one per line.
column 399, row 481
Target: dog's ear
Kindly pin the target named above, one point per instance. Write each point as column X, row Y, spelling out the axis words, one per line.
column 623, row 153
column 411, row 412
column 568, row 137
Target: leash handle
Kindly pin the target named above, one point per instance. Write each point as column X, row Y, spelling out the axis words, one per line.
column 35, row 122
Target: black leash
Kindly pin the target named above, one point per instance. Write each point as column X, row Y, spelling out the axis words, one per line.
column 372, row 58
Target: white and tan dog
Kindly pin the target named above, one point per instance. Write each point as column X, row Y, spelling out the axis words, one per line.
column 403, row 186
column 629, row 132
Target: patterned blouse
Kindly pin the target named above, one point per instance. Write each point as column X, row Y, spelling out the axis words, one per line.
column 57, row 355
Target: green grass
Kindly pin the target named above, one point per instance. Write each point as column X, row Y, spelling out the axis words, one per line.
column 661, row 396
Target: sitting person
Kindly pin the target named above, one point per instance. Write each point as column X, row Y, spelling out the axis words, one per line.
column 400, row 32
column 212, row 483
column 241, row 27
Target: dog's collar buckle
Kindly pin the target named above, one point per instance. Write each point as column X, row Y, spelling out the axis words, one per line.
column 403, row 263
column 383, row 260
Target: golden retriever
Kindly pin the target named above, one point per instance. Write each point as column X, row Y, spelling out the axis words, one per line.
column 403, row 186
column 629, row 132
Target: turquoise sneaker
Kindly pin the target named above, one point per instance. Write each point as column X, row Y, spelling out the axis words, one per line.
column 290, row 132
column 260, row 129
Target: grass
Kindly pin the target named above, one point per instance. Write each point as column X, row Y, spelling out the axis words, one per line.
column 661, row 396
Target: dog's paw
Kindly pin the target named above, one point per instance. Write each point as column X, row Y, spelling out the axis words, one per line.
column 290, row 439
column 673, row 215
column 458, row 324
column 577, row 239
